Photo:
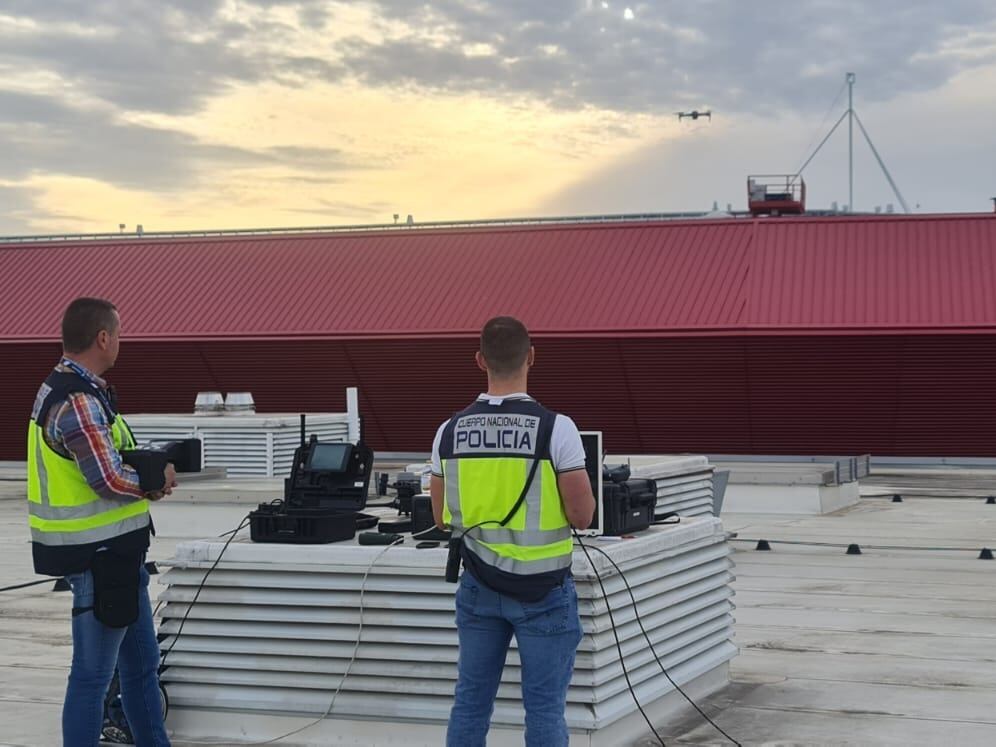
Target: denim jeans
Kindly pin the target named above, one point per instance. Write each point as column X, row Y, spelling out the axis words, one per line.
column 547, row 633
column 96, row 650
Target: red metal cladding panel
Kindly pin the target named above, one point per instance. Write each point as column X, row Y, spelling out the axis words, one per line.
column 648, row 395
column 836, row 392
column 805, row 275
column 897, row 272
column 565, row 278
column 26, row 367
column 947, row 397
column 930, row 395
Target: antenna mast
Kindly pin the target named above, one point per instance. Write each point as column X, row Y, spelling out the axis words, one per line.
column 851, row 117
column 850, row 141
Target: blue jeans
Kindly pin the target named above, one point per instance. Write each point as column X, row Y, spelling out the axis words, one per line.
column 96, row 650
column 547, row 633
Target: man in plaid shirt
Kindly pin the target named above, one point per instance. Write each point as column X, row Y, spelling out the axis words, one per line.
column 90, row 522
column 78, row 429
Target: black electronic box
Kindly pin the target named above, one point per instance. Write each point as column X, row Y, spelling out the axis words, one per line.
column 331, row 476
column 628, row 504
column 323, row 497
column 150, row 462
column 408, row 486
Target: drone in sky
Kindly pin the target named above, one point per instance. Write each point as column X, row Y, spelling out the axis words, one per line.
column 693, row 115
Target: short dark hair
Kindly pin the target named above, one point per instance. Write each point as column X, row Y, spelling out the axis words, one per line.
column 83, row 321
column 504, row 345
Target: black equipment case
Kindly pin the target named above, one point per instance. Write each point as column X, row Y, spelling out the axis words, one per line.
column 271, row 523
column 184, row 455
column 628, row 504
column 330, row 476
column 323, row 497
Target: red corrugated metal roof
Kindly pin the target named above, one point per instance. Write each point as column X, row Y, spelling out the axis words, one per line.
column 880, row 273
column 918, row 273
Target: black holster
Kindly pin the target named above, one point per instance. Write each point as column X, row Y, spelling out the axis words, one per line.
column 115, row 588
column 453, row 560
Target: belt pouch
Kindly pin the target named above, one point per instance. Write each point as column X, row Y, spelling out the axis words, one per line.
column 115, row 588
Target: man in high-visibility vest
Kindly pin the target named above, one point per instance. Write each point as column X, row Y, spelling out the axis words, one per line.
column 89, row 518
column 509, row 476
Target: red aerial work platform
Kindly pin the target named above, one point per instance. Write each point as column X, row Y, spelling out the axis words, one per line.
column 776, row 194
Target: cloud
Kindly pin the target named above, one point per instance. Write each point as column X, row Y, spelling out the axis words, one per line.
column 39, row 134
column 334, row 209
column 159, row 57
column 22, row 212
column 939, row 147
column 17, row 206
column 309, row 157
column 739, row 57
column 101, row 90
column 735, row 56
column 71, row 70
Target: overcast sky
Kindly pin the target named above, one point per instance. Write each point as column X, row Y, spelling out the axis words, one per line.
column 217, row 113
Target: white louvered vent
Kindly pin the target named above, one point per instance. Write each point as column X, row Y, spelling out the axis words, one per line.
column 245, row 445
column 684, row 484
column 274, row 628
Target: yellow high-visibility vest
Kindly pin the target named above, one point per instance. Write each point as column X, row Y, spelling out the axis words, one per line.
column 63, row 509
column 486, row 453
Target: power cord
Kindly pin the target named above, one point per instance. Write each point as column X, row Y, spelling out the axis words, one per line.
column 349, row 666
column 232, row 532
column 352, row 659
column 612, row 622
column 200, row 587
column 863, row 546
column 639, row 621
column 29, row 583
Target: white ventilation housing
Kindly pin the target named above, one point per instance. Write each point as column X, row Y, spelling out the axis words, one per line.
column 684, row 483
column 240, row 403
column 275, row 626
column 209, row 402
column 249, row 445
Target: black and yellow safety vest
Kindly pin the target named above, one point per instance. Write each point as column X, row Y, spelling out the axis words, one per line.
column 486, row 453
column 69, row 520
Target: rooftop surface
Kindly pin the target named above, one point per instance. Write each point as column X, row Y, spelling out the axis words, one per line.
column 888, row 647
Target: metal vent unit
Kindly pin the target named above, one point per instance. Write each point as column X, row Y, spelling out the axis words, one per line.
column 250, row 444
column 684, row 484
column 274, row 629
column 208, row 403
column 240, row 403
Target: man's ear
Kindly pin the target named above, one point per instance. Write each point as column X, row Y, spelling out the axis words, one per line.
column 531, row 357
column 103, row 339
column 481, row 363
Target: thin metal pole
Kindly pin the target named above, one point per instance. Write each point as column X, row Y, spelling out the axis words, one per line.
column 881, row 163
column 818, row 147
column 850, row 142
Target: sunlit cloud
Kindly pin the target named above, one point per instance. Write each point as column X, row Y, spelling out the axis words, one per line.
column 229, row 113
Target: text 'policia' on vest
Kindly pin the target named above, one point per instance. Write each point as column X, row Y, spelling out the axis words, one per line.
column 487, row 453
column 69, row 520
column 516, row 433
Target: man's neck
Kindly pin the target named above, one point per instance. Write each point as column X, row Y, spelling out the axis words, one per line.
column 502, row 388
column 85, row 362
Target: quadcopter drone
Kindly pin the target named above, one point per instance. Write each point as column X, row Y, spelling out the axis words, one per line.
column 694, row 114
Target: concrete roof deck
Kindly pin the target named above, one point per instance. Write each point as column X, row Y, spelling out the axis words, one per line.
column 888, row 647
